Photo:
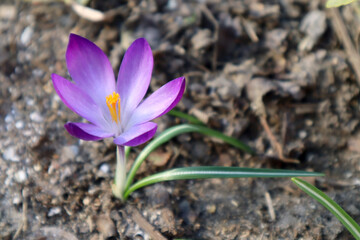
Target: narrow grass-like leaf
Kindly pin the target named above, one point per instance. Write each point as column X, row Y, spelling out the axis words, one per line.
column 175, row 131
column 337, row 3
column 331, row 205
column 127, row 151
column 215, row 172
column 185, row 116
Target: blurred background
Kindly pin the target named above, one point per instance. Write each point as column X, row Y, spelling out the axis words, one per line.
column 282, row 76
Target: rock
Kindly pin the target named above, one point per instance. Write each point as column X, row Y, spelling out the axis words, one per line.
column 36, row 117
column 54, row 211
column 172, row 5
column 17, row 200
column 19, row 124
column 105, row 168
column 211, row 208
column 86, row 201
column 9, row 118
column 11, row 155
column 69, row 152
column 302, row 134
column 26, row 35
column 21, row 176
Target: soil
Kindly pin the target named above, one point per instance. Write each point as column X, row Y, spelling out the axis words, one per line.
column 274, row 74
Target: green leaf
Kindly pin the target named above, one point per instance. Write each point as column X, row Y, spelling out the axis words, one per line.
column 337, row 3
column 215, row 172
column 331, row 205
column 185, row 116
column 175, row 131
column 127, row 151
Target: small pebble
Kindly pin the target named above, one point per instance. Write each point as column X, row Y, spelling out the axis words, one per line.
column 172, row 4
column 19, row 124
column 302, row 134
column 30, row 102
column 86, row 201
column 38, row 73
column 211, row 208
column 21, row 176
column 36, row 117
column 10, row 155
column 69, row 152
column 54, row 211
column 9, row 118
column 234, row 203
column 26, row 35
column 37, row 167
column 105, row 168
column 16, row 200
column 309, row 122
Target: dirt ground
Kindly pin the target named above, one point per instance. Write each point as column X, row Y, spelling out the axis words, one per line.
column 279, row 75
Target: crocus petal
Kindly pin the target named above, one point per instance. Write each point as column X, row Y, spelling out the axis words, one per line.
column 86, row 131
column 137, row 134
column 78, row 101
column 90, row 69
column 134, row 76
column 160, row 102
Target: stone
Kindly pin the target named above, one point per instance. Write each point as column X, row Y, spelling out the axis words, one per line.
column 11, row 155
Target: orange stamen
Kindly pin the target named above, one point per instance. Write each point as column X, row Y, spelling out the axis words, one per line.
column 111, row 101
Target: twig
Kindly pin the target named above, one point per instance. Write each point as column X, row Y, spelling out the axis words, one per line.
column 95, row 15
column 250, row 30
column 174, row 157
column 274, row 143
column 143, row 223
column 270, row 206
column 343, row 35
column 213, row 20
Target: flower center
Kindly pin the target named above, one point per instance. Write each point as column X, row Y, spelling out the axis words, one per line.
column 113, row 103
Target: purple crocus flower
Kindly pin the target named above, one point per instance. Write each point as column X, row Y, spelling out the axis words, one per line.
column 114, row 109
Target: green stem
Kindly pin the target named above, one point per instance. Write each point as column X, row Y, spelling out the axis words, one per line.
column 120, row 173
